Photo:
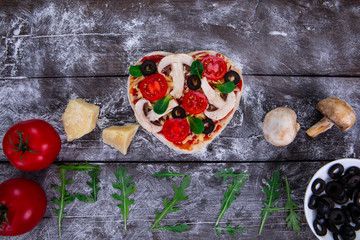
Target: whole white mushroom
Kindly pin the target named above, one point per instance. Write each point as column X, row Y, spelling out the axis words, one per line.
column 280, row 126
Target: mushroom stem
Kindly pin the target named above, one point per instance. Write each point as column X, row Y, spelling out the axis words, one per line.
column 322, row 126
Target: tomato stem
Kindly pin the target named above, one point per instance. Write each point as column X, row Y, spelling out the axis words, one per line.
column 22, row 146
column 3, row 216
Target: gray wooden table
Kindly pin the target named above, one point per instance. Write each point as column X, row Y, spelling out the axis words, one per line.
column 293, row 54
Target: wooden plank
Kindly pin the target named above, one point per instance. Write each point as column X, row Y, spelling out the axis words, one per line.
column 48, row 39
column 103, row 220
column 242, row 140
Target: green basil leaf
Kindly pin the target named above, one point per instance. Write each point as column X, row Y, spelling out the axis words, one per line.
column 197, row 68
column 162, row 104
column 135, row 71
column 227, row 87
column 196, row 125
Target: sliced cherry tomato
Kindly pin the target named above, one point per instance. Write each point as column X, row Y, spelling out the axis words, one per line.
column 154, row 58
column 215, row 68
column 153, row 87
column 23, row 202
column 176, row 129
column 194, row 102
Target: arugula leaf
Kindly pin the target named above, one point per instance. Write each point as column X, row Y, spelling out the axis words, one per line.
column 65, row 197
column 166, row 174
column 230, row 195
column 196, row 125
column 293, row 219
column 228, row 173
column 126, row 189
column 162, row 104
column 135, row 71
column 197, row 68
column 169, row 207
column 93, row 195
column 174, row 228
column 227, row 87
column 229, row 229
column 272, row 193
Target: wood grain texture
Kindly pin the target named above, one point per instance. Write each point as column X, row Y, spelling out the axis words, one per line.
column 81, row 38
column 242, row 140
column 103, row 220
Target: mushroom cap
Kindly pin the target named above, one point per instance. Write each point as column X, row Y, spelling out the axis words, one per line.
column 338, row 111
column 280, row 126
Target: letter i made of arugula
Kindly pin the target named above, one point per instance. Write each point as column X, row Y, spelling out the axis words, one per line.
column 126, row 188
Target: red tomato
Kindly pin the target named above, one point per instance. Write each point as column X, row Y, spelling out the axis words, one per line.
column 31, row 145
column 176, row 129
column 194, row 102
column 153, row 87
column 154, row 58
column 25, row 202
column 215, row 68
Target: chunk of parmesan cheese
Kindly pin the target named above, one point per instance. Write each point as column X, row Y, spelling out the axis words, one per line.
column 79, row 118
column 119, row 137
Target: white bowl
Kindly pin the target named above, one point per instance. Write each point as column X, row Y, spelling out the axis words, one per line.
column 323, row 173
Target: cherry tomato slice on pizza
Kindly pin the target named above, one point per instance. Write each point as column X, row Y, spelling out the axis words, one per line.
column 153, row 87
column 176, row 129
column 215, row 68
column 194, row 102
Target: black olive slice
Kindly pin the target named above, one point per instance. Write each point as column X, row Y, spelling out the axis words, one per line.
column 336, row 171
column 328, row 200
column 148, row 67
column 336, row 216
column 347, row 232
column 232, row 76
column 313, row 202
column 347, row 214
column 357, row 200
column 331, row 227
column 209, row 126
column 353, row 182
column 323, row 207
column 178, row 112
column 353, row 171
column 335, row 190
column 320, row 226
column 318, row 186
column 194, row 82
column 342, row 200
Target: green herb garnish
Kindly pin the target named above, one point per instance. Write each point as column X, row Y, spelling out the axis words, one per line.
column 175, row 228
column 293, row 219
column 229, row 229
column 126, row 189
column 66, row 197
column 230, row 195
column 166, row 174
column 169, row 207
column 227, row 87
column 196, row 125
column 197, row 68
column 135, row 71
column 162, row 104
column 228, row 173
column 272, row 193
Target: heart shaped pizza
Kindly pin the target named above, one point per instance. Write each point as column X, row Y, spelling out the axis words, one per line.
column 185, row 100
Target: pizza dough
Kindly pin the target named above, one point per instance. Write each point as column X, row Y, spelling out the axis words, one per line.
column 212, row 103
